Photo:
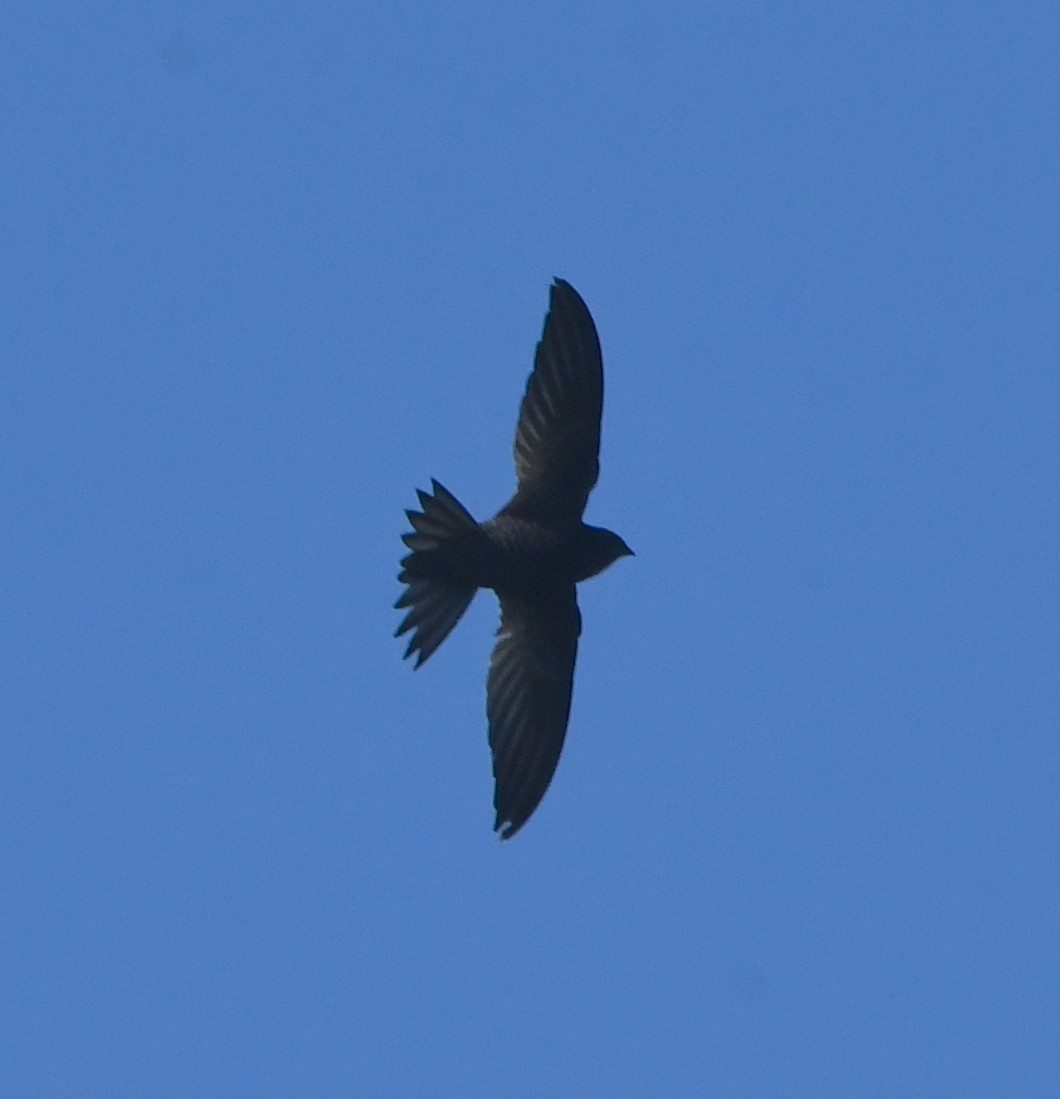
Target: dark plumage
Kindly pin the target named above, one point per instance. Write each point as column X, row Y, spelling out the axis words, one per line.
column 532, row 553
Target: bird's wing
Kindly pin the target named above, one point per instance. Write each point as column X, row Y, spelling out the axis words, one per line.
column 557, row 440
column 528, row 695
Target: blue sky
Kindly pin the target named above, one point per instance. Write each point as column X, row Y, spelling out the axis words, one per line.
column 267, row 269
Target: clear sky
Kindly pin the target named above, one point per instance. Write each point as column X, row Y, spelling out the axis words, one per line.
column 266, row 269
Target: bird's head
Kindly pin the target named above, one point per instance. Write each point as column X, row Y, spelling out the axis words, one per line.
column 599, row 549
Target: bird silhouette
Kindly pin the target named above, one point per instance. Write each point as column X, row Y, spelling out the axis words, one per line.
column 532, row 554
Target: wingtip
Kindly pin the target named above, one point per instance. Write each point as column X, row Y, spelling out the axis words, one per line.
column 565, row 292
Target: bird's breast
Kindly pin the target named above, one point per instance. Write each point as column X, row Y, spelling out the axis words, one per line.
column 525, row 554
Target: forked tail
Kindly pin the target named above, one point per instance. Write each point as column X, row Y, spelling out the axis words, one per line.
column 436, row 572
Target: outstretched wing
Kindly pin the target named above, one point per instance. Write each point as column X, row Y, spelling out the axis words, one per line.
column 557, row 440
column 528, row 695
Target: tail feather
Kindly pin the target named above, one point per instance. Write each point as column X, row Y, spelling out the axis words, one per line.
column 436, row 598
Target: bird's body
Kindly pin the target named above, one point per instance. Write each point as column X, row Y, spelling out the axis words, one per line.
column 532, row 553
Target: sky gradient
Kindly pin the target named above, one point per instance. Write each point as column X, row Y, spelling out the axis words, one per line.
column 266, row 270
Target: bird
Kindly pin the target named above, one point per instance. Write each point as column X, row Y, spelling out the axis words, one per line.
column 532, row 554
